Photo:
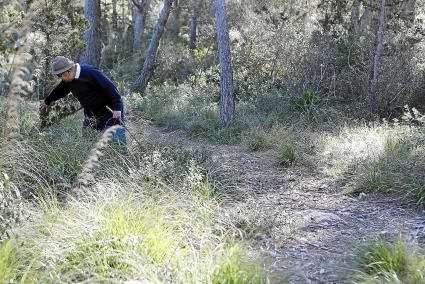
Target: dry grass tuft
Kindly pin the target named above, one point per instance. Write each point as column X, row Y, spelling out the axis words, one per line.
column 86, row 176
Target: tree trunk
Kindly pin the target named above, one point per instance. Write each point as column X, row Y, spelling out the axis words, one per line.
column 193, row 24
column 227, row 100
column 140, row 11
column 355, row 10
column 376, row 60
column 123, row 16
column 364, row 20
column 138, row 29
column 175, row 23
column 114, row 16
column 92, row 35
column 148, row 67
column 359, row 23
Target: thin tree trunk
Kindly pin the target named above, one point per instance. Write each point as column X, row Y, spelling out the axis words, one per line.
column 359, row 24
column 140, row 11
column 376, row 60
column 114, row 16
column 123, row 16
column 364, row 20
column 148, row 67
column 92, row 35
column 138, row 29
column 355, row 10
column 175, row 23
column 193, row 24
column 227, row 100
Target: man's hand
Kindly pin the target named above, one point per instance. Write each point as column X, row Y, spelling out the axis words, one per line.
column 43, row 106
column 116, row 114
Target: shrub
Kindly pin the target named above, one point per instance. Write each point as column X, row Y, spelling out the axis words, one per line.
column 391, row 262
column 231, row 133
column 256, row 142
column 287, row 153
column 229, row 269
column 11, row 206
column 386, row 173
column 7, row 262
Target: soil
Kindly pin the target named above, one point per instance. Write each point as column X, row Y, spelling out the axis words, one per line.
column 303, row 222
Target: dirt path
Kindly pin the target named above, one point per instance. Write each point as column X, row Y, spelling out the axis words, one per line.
column 299, row 218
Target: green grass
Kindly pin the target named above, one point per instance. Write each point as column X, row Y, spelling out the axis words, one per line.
column 391, row 262
column 154, row 215
column 195, row 109
column 387, row 172
column 229, row 269
column 287, row 153
column 256, row 142
column 376, row 157
column 124, row 234
column 7, row 262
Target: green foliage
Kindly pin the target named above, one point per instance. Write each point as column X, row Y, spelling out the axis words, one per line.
column 386, row 172
column 7, row 262
column 233, row 269
column 231, row 133
column 346, row 54
column 385, row 262
column 417, row 192
column 53, row 159
column 378, row 157
column 287, row 152
column 11, row 206
column 189, row 108
column 310, row 105
column 57, row 28
column 256, row 142
column 306, row 100
column 10, row 18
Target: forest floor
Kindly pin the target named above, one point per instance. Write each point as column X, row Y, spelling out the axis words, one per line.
column 297, row 217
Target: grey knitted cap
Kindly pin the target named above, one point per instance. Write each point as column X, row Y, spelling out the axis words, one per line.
column 61, row 64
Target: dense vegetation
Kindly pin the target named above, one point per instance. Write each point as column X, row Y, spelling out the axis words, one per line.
column 79, row 208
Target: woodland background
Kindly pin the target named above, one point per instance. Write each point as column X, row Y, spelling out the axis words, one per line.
column 332, row 89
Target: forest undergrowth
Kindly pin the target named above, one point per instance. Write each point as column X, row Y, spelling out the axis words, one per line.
column 366, row 156
column 307, row 139
column 155, row 213
column 151, row 214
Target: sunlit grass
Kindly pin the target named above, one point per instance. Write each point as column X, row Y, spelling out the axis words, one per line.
column 391, row 262
column 7, row 271
column 350, row 146
column 287, row 153
column 151, row 214
column 382, row 157
column 126, row 234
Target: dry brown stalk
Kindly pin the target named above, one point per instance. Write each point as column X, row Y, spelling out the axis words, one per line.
column 86, row 176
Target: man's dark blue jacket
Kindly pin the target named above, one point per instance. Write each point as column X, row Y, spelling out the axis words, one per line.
column 93, row 90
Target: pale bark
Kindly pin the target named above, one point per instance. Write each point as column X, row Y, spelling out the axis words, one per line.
column 376, row 59
column 92, row 35
column 193, row 24
column 175, row 22
column 138, row 30
column 355, row 9
column 114, row 16
column 227, row 100
column 148, row 67
column 365, row 20
column 140, row 12
column 359, row 23
column 123, row 17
